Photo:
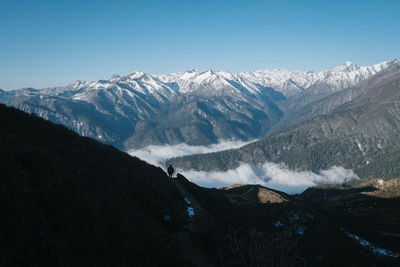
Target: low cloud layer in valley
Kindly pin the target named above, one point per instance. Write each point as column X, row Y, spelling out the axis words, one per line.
column 156, row 155
column 275, row 176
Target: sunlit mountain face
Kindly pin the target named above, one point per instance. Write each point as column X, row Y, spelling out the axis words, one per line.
column 312, row 128
column 192, row 107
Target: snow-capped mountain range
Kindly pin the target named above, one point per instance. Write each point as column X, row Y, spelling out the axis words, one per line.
column 288, row 82
column 196, row 107
column 292, row 82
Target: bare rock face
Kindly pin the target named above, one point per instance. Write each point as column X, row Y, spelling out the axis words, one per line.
column 269, row 196
column 385, row 188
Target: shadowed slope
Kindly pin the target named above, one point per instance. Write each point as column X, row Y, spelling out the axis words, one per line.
column 68, row 200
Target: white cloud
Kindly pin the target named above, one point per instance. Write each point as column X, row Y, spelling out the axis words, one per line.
column 156, row 155
column 275, row 176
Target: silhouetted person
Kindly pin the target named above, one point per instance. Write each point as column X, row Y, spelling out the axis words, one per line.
column 170, row 171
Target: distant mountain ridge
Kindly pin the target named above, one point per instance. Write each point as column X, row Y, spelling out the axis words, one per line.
column 291, row 83
column 357, row 128
column 193, row 107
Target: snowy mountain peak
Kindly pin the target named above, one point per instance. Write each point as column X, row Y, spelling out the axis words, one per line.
column 349, row 63
column 288, row 82
column 114, row 77
column 136, row 74
column 182, row 105
column 78, row 84
column 348, row 66
column 210, row 82
column 192, row 70
column 291, row 83
column 208, row 72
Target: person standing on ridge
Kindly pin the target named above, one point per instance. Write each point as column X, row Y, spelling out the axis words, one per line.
column 170, row 171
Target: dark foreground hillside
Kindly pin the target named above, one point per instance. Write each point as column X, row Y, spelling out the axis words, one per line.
column 66, row 200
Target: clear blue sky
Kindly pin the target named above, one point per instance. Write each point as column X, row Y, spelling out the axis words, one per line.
column 50, row 43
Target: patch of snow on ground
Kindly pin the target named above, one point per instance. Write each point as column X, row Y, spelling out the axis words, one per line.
column 375, row 250
column 362, row 151
column 300, row 231
column 190, row 210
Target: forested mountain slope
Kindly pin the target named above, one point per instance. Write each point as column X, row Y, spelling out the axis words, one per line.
column 359, row 129
column 193, row 107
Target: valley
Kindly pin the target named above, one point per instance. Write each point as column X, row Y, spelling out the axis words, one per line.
column 199, row 133
column 303, row 121
column 359, row 130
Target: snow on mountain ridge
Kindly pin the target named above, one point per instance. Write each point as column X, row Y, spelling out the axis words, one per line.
column 139, row 108
column 210, row 82
column 292, row 82
column 130, row 85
